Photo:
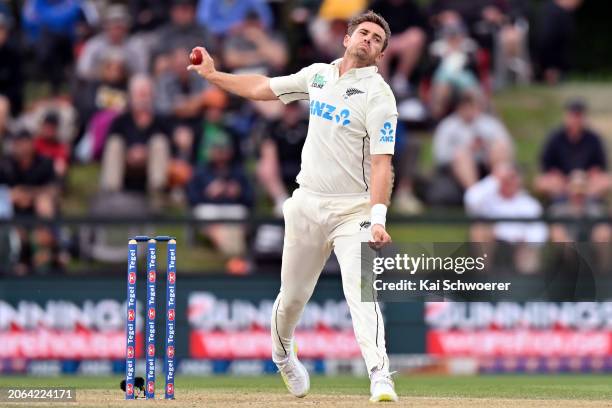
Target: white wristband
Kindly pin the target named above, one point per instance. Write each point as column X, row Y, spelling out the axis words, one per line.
column 378, row 214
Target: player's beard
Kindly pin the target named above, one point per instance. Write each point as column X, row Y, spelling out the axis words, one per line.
column 362, row 55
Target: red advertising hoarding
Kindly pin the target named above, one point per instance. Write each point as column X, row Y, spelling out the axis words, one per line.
column 536, row 329
column 63, row 329
column 233, row 329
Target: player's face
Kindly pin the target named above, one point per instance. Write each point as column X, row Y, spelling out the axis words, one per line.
column 366, row 43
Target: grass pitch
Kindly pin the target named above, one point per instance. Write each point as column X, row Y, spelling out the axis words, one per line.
column 414, row 391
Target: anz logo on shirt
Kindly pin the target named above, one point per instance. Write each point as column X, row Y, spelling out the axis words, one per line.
column 327, row 111
column 386, row 133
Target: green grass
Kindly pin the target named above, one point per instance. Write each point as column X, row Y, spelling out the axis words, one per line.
column 583, row 387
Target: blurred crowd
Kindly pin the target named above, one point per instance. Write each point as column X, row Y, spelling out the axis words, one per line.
column 116, row 92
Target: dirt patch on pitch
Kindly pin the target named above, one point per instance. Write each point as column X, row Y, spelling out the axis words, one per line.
column 238, row 399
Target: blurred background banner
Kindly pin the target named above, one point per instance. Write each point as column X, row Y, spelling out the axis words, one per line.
column 511, row 329
column 223, row 326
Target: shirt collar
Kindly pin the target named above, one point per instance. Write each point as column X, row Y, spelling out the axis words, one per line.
column 359, row 72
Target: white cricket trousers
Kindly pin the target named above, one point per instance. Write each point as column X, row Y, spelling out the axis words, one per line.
column 314, row 225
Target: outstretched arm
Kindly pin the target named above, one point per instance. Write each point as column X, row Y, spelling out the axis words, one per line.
column 256, row 87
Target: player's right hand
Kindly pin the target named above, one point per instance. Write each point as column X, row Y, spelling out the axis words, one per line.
column 380, row 237
column 207, row 66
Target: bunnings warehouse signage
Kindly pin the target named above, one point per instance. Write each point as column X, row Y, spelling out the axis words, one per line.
column 228, row 319
column 221, row 318
column 228, row 329
column 532, row 329
column 63, row 329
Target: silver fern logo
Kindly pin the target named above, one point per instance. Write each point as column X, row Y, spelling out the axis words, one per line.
column 352, row 91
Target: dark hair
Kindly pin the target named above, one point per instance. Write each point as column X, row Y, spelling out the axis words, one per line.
column 372, row 17
column 576, row 105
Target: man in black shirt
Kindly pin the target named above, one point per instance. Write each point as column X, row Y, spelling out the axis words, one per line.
column 30, row 177
column 573, row 147
column 137, row 151
column 33, row 191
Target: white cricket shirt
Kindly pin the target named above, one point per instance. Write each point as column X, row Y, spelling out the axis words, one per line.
column 351, row 118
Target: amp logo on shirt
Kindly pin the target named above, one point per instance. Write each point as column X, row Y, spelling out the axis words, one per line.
column 386, row 133
column 327, row 111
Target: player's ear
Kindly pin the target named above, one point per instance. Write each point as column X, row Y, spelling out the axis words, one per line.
column 346, row 40
column 379, row 57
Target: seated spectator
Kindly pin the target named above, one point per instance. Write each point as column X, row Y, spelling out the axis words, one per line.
column 191, row 140
column 252, row 48
column 50, row 27
column 98, row 103
column 499, row 27
column 11, row 78
column 108, row 91
column 408, row 37
column 31, row 177
column 500, row 195
column 47, row 144
column 220, row 189
column 578, row 210
column 182, row 31
column 555, row 30
column 454, row 62
column 65, row 111
column 221, row 16
column 280, row 154
column 465, row 146
column 137, row 151
column 114, row 37
column 573, row 146
column 449, row 12
column 578, row 205
column 178, row 92
column 503, row 31
column 33, row 191
column 217, row 120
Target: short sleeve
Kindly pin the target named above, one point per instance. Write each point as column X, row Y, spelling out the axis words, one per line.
column 599, row 154
column 381, row 121
column 548, row 157
column 292, row 87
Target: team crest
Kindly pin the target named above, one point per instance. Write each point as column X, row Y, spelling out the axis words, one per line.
column 351, row 91
column 364, row 225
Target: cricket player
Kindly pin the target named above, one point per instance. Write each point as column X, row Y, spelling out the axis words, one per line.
column 344, row 187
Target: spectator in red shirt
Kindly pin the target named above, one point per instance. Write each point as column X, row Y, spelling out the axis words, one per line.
column 47, row 144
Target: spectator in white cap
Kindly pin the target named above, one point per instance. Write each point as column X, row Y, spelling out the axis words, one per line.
column 115, row 36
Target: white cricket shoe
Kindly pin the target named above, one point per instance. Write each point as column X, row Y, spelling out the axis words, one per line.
column 294, row 375
column 382, row 387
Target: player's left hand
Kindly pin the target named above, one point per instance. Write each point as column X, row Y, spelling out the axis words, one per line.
column 380, row 237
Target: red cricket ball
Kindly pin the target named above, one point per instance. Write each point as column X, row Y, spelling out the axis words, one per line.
column 196, row 56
